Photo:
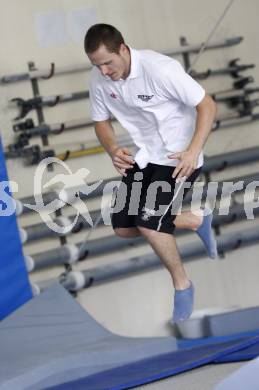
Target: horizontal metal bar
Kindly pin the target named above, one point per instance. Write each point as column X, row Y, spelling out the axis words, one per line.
column 105, row 245
column 55, row 128
column 123, row 140
column 58, row 128
column 225, row 96
column 190, row 252
column 227, row 160
column 83, row 67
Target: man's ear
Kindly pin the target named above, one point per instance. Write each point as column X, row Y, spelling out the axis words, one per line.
column 123, row 48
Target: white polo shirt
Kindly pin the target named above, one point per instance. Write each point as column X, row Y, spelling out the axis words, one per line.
column 155, row 104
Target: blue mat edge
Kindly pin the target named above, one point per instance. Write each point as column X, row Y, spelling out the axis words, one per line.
column 127, row 385
column 190, row 343
column 202, row 362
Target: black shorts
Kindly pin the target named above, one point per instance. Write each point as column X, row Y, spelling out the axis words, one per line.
column 149, row 197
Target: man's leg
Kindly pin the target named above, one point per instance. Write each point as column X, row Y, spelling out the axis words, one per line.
column 158, row 229
column 202, row 225
column 164, row 245
column 188, row 220
column 200, row 221
column 162, row 242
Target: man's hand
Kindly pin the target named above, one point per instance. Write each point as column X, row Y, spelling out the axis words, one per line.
column 187, row 164
column 122, row 159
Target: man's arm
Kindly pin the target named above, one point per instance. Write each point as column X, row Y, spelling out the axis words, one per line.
column 121, row 157
column 206, row 112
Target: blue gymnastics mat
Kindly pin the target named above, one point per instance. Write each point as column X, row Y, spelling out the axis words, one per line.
column 247, row 353
column 51, row 342
column 15, row 288
column 156, row 368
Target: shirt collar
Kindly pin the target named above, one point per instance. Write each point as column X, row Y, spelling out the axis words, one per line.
column 134, row 64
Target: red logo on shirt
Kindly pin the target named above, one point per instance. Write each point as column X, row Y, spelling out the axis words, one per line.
column 113, row 95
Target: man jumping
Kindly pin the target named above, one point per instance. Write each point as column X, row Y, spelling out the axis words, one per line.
column 169, row 117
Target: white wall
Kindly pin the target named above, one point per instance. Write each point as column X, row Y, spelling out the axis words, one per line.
column 138, row 305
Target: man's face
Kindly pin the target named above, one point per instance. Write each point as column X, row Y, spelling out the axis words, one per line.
column 114, row 65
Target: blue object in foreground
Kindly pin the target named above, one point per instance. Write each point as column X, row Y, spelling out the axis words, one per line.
column 183, row 304
column 206, row 234
column 156, row 368
column 14, row 282
column 63, row 347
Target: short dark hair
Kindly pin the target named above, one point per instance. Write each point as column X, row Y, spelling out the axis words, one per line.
column 103, row 34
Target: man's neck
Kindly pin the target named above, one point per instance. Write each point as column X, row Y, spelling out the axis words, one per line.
column 128, row 64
